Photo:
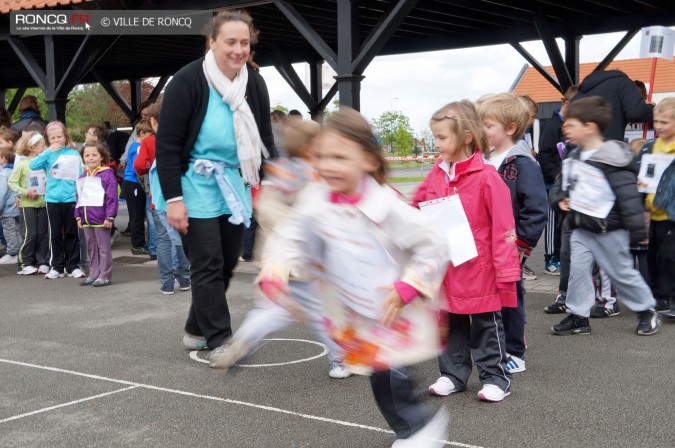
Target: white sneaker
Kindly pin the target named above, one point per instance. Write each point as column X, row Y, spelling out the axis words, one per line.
column 433, row 434
column 515, row 364
column 43, row 269
column 77, row 273
column 492, row 393
column 28, row 270
column 338, row 371
column 232, row 351
column 192, row 342
column 9, row 259
column 52, row 274
column 443, row 387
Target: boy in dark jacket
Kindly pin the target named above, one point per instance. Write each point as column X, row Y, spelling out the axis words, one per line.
column 551, row 150
column 505, row 119
column 603, row 240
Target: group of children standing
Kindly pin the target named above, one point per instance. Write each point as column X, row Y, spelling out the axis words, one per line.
column 56, row 191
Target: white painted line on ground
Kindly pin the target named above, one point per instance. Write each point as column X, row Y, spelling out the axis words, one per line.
column 210, row 397
column 194, row 357
column 70, row 403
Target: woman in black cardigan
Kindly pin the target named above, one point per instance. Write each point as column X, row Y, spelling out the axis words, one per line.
column 214, row 131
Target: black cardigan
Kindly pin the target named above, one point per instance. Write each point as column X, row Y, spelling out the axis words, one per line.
column 183, row 110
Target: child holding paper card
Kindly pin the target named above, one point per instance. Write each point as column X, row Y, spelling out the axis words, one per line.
column 661, row 206
column 63, row 166
column 478, row 288
column 96, row 211
column 29, row 188
column 356, row 235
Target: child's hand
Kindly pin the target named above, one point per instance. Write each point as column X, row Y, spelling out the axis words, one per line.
column 521, row 255
column 107, row 224
column 32, row 194
column 276, row 290
column 391, row 307
column 55, row 147
column 564, row 205
column 17, row 202
column 79, row 224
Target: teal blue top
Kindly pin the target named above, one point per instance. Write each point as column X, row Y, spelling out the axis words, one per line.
column 57, row 190
column 216, row 142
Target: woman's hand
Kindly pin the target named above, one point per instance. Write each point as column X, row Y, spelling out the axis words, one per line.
column 391, row 308
column 176, row 214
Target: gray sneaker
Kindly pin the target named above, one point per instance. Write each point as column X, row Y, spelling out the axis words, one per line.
column 101, row 282
column 192, row 342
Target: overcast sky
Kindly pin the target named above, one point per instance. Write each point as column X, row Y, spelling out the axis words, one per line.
column 423, row 82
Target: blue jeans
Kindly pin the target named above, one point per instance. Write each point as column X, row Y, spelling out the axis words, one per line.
column 172, row 263
column 152, row 238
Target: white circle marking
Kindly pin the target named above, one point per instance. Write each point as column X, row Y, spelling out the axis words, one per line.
column 193, row 354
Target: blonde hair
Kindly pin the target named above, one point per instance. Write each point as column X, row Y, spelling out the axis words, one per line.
column 462, row 118
column 482, row 99
column 23, row 146
column 506, row 109
column 66, row 134
column 351, row 125
column 666, row 106
column 298, row 134
column 530, row 103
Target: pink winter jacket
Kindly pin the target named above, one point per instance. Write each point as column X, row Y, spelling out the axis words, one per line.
column 487, row 282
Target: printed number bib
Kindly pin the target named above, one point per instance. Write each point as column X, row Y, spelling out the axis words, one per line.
column 90, row 192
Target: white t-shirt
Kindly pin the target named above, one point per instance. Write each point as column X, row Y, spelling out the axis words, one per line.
column 496, row 159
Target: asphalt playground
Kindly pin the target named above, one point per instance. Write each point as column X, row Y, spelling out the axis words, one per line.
column 104, row 367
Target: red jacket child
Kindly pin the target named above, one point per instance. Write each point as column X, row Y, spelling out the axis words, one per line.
column 485, row 283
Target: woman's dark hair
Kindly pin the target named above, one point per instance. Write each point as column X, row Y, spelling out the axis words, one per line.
column 102, row 149
column 235, row 15
column 353, row 126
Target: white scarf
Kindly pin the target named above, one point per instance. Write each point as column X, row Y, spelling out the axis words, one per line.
column 249, row 144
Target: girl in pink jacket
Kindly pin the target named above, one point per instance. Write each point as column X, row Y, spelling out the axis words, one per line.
column 477, row 289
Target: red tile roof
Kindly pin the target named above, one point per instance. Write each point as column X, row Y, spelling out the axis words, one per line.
column 14, row 5
column 533, row 84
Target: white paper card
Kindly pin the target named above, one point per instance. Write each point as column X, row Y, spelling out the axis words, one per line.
column 449, row 211
column 366, row 269
column 90, row 192
column 37, row 182
column 652, row 167
column 589, row 190
column 66, row 168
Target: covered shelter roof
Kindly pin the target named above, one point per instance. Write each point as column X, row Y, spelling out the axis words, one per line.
column 346, row 34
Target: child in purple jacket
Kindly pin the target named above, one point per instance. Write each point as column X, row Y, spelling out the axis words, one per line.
column 95, row 212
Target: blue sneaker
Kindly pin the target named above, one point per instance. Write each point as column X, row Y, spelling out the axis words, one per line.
column 552, row 267
column 184, row 285
column 167, row 288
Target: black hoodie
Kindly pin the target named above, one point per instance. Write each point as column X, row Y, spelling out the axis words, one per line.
column 617, row 89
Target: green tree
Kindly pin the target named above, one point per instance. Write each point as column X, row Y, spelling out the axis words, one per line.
column 394, row 131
